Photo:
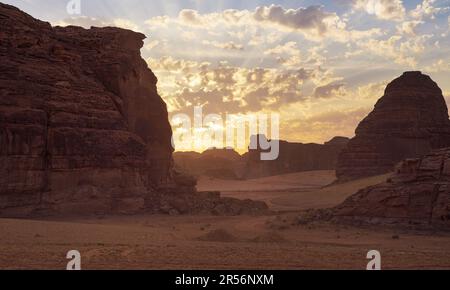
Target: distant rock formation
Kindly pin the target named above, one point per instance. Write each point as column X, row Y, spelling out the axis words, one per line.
column 296, row 157
column 215, row 163
column 82, row 127
column 417, row 194
column 409, row 121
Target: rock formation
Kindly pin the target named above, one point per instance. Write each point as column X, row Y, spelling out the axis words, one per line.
column 417, row 194
column 296, row 157
column 215, row 163
column 409, row 121
column 80, row 118
column 82, row 127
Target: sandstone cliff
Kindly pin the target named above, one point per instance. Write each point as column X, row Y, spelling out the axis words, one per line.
column 82, row 127
column 296, row 157
column 409, row 121
column 418, row 194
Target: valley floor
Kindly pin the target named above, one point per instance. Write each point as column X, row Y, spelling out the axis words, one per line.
column 206, row 242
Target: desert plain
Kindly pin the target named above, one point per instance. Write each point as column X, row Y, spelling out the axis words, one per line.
column 271, row 241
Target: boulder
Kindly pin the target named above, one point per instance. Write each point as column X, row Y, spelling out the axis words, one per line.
column 417, row 194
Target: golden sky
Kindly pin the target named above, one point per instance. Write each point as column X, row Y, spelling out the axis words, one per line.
column 320, row 65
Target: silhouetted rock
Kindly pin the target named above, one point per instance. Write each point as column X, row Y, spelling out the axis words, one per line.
column 296, row 157
column 417, row 194
column 216, row 163
column 338, row 142
column 409, row 121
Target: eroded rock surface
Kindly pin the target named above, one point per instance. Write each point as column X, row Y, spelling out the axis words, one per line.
column 409, row 121
column 417, row 194
column 82, row 127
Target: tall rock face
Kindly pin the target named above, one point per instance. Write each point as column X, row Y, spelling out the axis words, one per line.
column 82, row 127
column 417, row 194
column 409, row 121
column 296, row 157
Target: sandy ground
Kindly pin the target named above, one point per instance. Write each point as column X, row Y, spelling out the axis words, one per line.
column 163, row 242
column 292, row 192
column 288, row 182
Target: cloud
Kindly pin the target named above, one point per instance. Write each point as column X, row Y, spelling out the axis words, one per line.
column 313, row 22
column 225, row 88
column 230, row 45
column 88, row 22
column 403, row 51
column 230, row 17
column 261, row 39
column 158, row 21
column 83, row 21
column 313, row 18
column 427, row 10
column 440, row 65
column 337, row 117
column 324, row 125
column 409, row 27
column 289, row 48
column 190, row 16
column 171, row 64
column 330, row 90
column 302, row 63
column 321, row 67
column 286, row 54
column 371, row 90
column 382, row 9
column 152, row 44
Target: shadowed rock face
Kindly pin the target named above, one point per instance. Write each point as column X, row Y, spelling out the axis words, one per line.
column 409, row 121
column 82, row 127
column 215, row 163
column 296, row 157
column 418, row 193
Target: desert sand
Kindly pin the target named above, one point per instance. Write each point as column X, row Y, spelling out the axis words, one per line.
column 209, row 242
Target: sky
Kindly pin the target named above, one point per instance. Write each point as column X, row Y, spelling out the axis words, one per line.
column 320, row 65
